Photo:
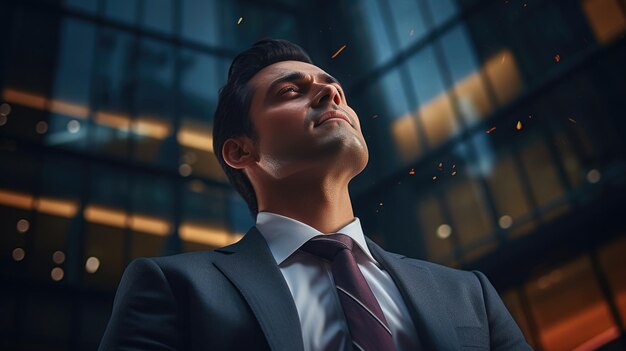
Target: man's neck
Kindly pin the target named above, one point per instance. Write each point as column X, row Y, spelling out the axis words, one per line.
column 326, row 208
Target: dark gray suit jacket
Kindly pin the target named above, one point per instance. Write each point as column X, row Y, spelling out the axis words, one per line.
column 235, row 298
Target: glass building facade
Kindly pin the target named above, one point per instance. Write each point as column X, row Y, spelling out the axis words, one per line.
column 495, row 130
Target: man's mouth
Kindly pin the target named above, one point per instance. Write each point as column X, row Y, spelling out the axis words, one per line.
column 332, row 114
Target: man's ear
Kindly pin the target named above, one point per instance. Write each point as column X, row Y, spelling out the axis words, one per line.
column 239, row 152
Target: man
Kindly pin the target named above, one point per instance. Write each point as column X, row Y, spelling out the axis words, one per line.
column 305, row 277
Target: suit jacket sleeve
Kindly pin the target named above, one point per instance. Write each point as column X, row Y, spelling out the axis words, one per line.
column 504, row 332
column 145, row 312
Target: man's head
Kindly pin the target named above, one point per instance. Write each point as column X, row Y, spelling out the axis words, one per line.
column 280, row 116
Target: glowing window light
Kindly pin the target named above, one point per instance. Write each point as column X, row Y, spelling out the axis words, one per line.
column 92, row 264
column 606, row 19
column 114, row 120
column 25, row 99
column 106, row 216
column 504, row 76
column 151, row 225
column 198, row 139
column 16, row 199
column 208, row 235
column 69, row 109
column 151, row 127
column 57, row 207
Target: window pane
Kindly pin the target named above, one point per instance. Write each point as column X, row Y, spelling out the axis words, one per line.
column 152, row 203
column 205, row 217
column 71, row 94
column 435, row 108
column 430, row 216
column 369, row 11
column 257, row 22
column 85, row 5
column 613, row 260
column 508, row 195
column 542, row 175
column 200, row 21
column 442, row 10
column 158, row 15
column 115, row 90
column 104, row 251
column 408, row 21
column 468, row 83
column 122, row 10
column 152, row 126
column 395, row 109
column 569, row 308
column 45, row 321
column 469, row 214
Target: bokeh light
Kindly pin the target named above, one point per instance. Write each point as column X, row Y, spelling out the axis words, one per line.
column 18, row 254
column 23, row 225
column 92, row 264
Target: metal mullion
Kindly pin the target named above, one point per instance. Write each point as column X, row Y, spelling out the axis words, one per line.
column 173, row 244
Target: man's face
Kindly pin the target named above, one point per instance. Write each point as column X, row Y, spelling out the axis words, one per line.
column 303, row 121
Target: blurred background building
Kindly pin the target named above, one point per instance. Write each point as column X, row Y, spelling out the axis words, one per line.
column 496, row 134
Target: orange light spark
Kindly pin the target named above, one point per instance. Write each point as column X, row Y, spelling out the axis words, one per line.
column 491, row 130
column 338, row 51
column 519, row 125
column 557, row 58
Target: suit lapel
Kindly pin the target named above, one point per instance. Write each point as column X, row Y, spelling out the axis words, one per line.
column 421, row 294
column 251, row 267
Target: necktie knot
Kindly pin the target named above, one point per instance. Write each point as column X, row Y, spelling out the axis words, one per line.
column 328, row 246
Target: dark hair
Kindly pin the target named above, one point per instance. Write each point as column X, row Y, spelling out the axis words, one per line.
column 232, row 118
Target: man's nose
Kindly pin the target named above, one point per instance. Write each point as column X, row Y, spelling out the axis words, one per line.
column 327, row 94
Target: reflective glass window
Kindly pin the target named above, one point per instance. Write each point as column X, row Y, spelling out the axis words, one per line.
column 408, row 21
column 442, row 10
column 122, row 10
column 465, row 71
column 115, row 77
column 569, row 309
column 158, row 15
column 200, row 21
column 435, row 108
column 152, row 124
column 369, row 12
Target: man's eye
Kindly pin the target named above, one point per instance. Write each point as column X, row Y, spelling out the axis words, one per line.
column 288, row 89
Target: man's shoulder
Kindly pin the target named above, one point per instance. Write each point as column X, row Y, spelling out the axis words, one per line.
column 445, row 275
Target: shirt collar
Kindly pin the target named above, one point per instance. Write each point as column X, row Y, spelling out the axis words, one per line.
column 285, row 235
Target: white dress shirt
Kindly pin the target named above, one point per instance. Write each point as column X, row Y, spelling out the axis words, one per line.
column 310, row 281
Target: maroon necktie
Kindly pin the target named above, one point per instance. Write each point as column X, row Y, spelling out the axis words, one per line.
column 366, row 321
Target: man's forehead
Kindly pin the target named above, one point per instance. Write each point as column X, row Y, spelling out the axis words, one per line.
column 279, row 69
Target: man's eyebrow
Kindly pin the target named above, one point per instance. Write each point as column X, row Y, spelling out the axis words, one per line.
column 296, row 76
